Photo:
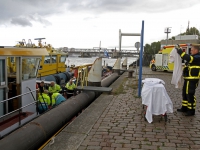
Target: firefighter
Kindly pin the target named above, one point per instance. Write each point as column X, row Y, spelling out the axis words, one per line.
column 54, row 88
column 191, row 75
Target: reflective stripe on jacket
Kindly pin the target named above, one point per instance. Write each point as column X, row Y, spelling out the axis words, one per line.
column 192, row 68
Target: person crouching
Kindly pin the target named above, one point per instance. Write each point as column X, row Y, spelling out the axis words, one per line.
column 44, row 101
column 70, row 87
column 56, row 99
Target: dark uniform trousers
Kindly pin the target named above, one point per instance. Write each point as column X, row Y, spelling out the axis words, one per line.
column 188, row 94
column 191, row 75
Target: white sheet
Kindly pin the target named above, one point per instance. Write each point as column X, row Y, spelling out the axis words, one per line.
column 155, row 97
column 152, row 81
column 177, row 72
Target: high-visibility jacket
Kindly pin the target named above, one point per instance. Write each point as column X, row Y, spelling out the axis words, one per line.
column 54, row 98
column 55, row 89
column 192, row 68
column 44, row 98
column 70, row 86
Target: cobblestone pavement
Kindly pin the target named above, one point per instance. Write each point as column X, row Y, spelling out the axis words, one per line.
column 122, row 126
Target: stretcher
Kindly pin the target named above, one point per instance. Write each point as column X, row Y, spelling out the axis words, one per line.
column 155, row 99
column 162, row 115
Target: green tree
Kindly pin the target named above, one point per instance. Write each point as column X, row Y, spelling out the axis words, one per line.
column 172, row 38
column 149, row 51
column 192, row 31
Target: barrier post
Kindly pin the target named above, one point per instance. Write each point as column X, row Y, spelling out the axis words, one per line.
column 141, row 54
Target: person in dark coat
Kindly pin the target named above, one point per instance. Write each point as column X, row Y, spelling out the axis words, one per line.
column 191, row 75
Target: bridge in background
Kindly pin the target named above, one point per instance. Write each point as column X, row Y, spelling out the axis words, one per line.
column 96, row 52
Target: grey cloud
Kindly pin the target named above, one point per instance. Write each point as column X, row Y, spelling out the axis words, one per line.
column 102, row 6
column 26, row 21
column 30, row 10
column 89, row 18
column 38, row 10
column 21, row 21
column 38, row 18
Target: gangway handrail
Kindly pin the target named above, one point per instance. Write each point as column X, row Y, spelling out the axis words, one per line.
column 19, row 109
column 31, row 93
column 18, row 96
column 36, row 100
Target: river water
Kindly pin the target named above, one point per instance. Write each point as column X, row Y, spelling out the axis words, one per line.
column 110, row 61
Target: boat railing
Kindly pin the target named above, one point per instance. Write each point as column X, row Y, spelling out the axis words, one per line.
column 31, row 93
column 19, row 109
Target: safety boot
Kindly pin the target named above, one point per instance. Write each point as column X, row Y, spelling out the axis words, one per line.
column 182, row 109
column 190, row 112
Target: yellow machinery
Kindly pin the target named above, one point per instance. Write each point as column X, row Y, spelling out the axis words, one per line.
column 82, row 75
column 161, row 60
column 50, row 64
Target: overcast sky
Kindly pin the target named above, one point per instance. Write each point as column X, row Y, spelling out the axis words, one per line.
column 84, row 23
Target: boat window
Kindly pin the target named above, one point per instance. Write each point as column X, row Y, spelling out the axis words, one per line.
column 47, row 60
column 11, row 65
column 54, row 58
column 12, row 59
column 2, row 85
column 2, row 97
column 63, row 58
column 2, row 72
column 29, row 68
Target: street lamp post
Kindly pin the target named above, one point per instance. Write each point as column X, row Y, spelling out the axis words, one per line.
column 167, row 31
column 180, row 32
column 99, row 49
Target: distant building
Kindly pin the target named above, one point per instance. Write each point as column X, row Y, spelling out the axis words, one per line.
column 183, row 39
column 187, row 37
column 65, row 49
column 72, row 49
